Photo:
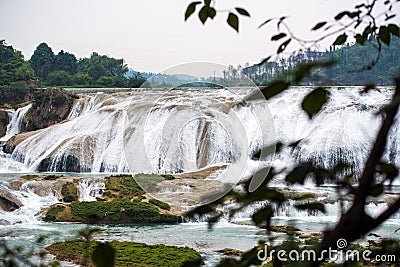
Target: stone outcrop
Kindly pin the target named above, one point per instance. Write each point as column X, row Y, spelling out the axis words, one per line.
column 3, row 122
column 16, row 140
column 49, row 106
column 8, row 201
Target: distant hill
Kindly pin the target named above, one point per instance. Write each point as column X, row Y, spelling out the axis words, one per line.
column 353, row 65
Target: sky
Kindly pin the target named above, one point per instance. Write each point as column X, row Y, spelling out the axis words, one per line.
column 151, row 35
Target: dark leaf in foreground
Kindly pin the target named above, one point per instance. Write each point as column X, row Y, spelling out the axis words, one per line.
column 191, row 9
column 314, row 101
column 233, row 21
column 103, row 255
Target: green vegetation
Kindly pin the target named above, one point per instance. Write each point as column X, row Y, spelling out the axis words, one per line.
column 127, row 253
column 16, row 76
column 64, row 69
column 69, row 192
column 118, row 186
column 159, row 204
column 353, row 65
column 48, row 107
column 52, row 213
column 125, row 203
column 118, row 211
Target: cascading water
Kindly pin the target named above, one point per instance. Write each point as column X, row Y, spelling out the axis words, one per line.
column 15, row 122
column 13, row 128
column 94, row 138
column 90, row 188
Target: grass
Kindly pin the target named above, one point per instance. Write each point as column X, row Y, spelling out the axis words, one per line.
column 127, row 253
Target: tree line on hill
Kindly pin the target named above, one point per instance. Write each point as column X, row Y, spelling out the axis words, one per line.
column 64, row 69
column 352, row 66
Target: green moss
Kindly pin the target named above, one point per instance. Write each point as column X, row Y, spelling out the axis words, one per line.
column 29, row 177
column 122, row 186
column 118, row 211
column 69, row 192
column 160, row 204
column 149, row 182
column 53, row 211
column 168, row 176
column 128, row 253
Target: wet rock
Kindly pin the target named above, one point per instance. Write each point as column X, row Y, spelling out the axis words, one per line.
column 9, row 202
column 50, row 106
column 3, row 122
column 230, row 252
column 16, row 140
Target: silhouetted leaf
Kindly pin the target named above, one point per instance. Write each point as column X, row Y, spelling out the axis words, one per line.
column 203, row 14
column 265, row 23
column 394, row 29
column 283, row 46
column 278, row 36
column 311, row 206
column 263, row 216
column 360, row 39
column 211, row 12
column 274, row 88
column 233, row 21
column 388, row 169
column 191, row 9
column 242, row 12
column 299, row 173
column 390, row 17
column 314, row 101
column 376, row 190
column 384, row 35
column 341, row 39
column 319, row 25
column 367, row 88
column 341, row 15
column 103, row 255
column 367, row 31
column 264, row 60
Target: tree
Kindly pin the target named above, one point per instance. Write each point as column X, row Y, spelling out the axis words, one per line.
column 65, row 61
column 59, row 78
column 354, row 223
column 42, row 61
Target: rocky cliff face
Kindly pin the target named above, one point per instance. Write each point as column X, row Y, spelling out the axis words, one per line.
column 49, row 106
column 3, row 122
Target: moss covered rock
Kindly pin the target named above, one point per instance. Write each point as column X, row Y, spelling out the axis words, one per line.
column 123, row 202
column 120, row 211
column 127, row 253
column 119, row 186
column 69, row 192
column 50, row 106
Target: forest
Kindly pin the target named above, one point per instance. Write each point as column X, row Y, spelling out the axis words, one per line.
column 353, row 65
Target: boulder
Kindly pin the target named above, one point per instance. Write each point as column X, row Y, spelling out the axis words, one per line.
column 14, row 141
column 8, row 201
column 49, row 107
column 3, row 122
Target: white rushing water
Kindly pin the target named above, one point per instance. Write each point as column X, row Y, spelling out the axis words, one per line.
column 153, row 131
column 159, row 131
column 15, row 122
column 185, row 130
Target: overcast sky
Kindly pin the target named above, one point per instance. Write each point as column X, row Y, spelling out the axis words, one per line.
column 151, row 35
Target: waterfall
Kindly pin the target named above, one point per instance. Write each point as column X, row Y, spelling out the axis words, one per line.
column 90, row 188
column 137, row 132
column 161, row 131
column 15, row 122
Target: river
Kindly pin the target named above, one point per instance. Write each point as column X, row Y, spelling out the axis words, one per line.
column 181, row 131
